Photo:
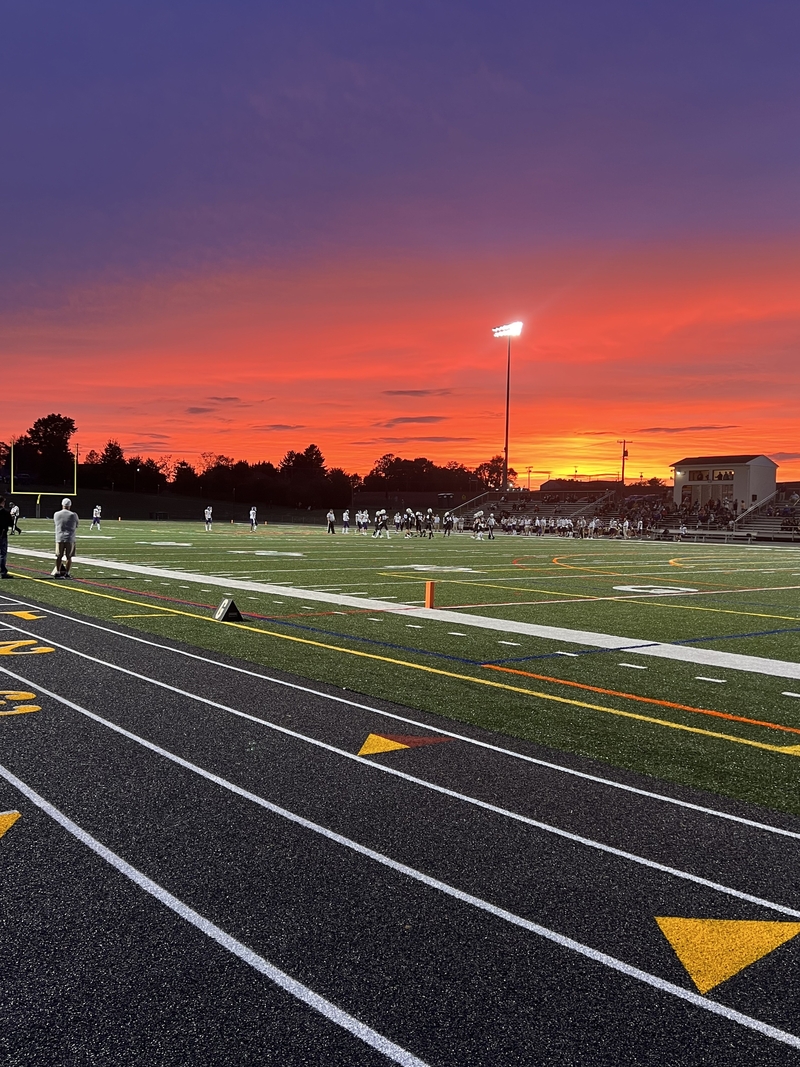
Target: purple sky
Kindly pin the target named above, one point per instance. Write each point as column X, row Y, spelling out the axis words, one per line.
column 153, row 145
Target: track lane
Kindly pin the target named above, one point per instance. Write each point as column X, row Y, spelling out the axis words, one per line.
column 42, row 661
column 682, row 838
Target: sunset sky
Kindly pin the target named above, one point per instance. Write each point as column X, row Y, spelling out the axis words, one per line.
column 243, row 227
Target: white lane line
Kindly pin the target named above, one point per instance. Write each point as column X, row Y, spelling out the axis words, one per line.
column 410, row 625
column 702, row 678
column 515, row 643
column 536, row 824
column 636, row 666
column 638, row 646
column 411, row 872
column 558, row 767
column 788, row 694
column 290, row 985
column 575, row 655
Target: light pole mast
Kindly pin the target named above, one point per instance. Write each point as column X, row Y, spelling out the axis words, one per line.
column 512, row 329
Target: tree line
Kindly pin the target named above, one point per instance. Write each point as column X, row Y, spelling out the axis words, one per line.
column 43, row 458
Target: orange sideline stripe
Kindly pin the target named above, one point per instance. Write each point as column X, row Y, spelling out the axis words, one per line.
column 645, row 700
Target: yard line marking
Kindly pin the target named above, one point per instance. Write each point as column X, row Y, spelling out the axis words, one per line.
column 401, row 868
column 788, row 694
column 280, row 978
column 706, row 657
column 537, row 824
column 522, row 756
column 702, row 678
column 636, row 666
column 574, row 654
column 455, row 633
column 516, row 643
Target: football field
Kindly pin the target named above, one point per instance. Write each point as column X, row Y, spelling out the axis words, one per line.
column 675, row 660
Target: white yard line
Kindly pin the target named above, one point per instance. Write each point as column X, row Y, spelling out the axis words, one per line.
column 706, row 657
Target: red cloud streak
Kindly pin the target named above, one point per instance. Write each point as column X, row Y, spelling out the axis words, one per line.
column 682, row 349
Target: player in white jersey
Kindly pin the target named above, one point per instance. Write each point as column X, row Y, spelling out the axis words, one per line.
column 96, row 513
column 208, row 516
column 331, row 518
column 253, row 519
column 346, row 521
column 14, row 513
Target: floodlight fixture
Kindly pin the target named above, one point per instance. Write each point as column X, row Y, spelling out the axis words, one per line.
column 511, row 329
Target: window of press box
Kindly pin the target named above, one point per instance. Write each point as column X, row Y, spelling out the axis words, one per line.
column 698, row 476
column 723, row 476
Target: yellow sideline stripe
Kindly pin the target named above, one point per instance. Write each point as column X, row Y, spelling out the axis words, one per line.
column 793, row 750
column 491, row 585
column 724, row 611
column 649, row 601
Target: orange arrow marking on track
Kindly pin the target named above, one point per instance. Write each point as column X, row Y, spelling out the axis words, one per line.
column 390, row 742
column 7, row 820
column 713, row 950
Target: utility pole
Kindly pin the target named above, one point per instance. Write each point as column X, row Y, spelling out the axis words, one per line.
column 624, row 457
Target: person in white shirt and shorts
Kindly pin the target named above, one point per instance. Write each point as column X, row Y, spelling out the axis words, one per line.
column 66, row 526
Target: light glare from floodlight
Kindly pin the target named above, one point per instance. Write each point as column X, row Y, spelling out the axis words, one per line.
column 512, row 329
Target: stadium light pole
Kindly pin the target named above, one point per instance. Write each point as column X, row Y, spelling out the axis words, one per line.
column 511, row 329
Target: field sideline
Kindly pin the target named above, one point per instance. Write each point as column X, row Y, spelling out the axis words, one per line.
column 727, row 731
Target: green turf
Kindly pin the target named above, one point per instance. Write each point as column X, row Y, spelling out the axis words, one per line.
column 745, row 602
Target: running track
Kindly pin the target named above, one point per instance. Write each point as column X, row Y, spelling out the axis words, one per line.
column 205, row 871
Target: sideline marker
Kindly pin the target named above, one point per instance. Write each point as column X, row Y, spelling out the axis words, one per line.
column 228, row 612
column 430, row 590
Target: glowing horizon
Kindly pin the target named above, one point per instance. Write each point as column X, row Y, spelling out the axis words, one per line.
column 399, row 358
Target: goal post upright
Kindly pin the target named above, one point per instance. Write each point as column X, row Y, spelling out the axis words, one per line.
column 39, row 493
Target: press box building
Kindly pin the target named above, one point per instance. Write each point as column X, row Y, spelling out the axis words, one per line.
column 739, row 480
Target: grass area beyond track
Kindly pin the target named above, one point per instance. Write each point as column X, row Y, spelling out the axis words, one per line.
column 730, row 731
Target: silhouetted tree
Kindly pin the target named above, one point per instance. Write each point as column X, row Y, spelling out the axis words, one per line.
column 43, row 453
column 491, row 472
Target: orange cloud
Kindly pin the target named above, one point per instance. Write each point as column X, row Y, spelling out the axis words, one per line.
column 682, row 349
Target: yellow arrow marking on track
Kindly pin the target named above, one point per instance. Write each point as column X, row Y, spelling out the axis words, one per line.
column 376, row 743
column 713, row 950
column 7, row 820
column 27, row 615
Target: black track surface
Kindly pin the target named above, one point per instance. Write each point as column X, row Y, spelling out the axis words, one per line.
column 95, row 971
